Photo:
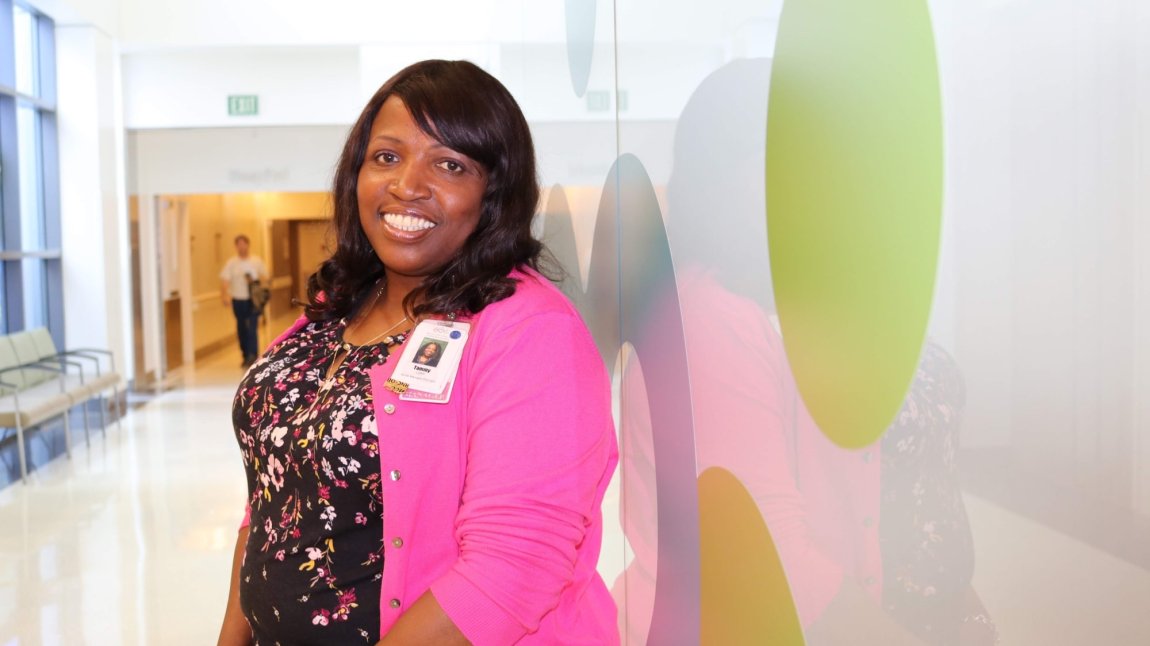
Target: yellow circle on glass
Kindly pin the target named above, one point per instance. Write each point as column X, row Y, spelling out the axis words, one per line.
column 745, row 597
column 854, row 203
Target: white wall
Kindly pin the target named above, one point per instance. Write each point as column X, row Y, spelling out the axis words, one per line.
column 1141, row 294
column 190, row 88
column 977, row 120
column 146, row 24
column 297, row 22
column 104, row 15
column 92, row 208
column 318, row 85
column 205, row 160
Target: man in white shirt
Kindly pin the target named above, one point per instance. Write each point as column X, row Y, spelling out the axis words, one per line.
column 235, row 288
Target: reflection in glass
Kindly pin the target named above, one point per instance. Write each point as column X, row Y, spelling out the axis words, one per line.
column 3, row 301
column 580, row 42
column 35, row 293
column 25, row 41
column 2, row 144
column 31, row 178
column 875, row 543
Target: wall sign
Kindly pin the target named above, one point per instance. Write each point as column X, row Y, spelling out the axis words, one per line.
column 243, row 105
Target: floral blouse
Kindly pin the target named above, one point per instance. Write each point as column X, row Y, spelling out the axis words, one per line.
column 314, row 560
column 928, row 553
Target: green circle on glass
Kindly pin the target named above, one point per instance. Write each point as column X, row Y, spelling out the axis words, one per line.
column 854, row 203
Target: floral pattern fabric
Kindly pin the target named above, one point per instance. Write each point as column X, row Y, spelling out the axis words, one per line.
column 314, row 560
column 927, row 549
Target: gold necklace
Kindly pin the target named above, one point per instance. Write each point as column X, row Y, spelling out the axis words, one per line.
column 347, row 346
column 326, row 384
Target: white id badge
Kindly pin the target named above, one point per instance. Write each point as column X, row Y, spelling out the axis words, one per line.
column 430, row 360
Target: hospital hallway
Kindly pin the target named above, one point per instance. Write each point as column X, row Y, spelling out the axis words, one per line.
column 870, row 282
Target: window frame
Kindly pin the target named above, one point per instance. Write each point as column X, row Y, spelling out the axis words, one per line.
column 13, row 253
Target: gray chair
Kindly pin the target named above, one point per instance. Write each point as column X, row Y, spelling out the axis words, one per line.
column 96, row 382
column 31, row 394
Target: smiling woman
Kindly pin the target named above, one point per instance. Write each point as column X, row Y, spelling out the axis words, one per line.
column 418, row 199
column 488, row 439
column 443, row 146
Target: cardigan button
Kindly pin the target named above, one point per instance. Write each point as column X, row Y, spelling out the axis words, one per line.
column 398, row 542
column 396, row 475
column 389, row 409
column 394, row 603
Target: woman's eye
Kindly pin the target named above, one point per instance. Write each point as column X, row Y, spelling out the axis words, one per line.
column 451, row 166
column 386, row 157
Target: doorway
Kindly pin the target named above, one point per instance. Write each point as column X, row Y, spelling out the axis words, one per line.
column 194, row 239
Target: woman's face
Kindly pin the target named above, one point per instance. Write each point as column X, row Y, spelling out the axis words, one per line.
column 418, row 199
column 430, row 349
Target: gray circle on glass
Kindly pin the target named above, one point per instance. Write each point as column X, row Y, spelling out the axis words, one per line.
column 580, row 42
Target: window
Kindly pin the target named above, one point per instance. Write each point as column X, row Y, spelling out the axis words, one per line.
column 30, row 277
column 28, row 146
column 24, row 41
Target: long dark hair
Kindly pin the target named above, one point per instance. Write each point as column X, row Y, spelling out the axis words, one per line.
column 469, row 111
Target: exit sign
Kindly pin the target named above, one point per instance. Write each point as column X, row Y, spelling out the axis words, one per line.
column 243, row 105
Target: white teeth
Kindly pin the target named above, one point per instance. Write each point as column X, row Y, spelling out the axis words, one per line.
column 408, row 223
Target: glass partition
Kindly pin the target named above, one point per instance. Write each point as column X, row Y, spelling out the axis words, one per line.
column 871, row 280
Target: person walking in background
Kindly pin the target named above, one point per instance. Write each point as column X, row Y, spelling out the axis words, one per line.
column 236, row 278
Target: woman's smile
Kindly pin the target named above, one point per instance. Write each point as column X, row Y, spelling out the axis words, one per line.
column 404, row 223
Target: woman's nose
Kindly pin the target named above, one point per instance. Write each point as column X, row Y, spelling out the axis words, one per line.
column 409, row 183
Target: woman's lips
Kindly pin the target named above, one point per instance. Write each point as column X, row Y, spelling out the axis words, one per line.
column 406, row 226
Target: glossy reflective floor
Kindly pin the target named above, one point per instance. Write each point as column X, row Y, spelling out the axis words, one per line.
column 129, row 542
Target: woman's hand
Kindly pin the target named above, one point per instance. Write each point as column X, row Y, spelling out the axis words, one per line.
column 235, row 630
column 977, row 628
column 854, row 618
column 424, row 622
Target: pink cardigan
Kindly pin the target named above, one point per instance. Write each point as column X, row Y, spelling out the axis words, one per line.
column 492, row 501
